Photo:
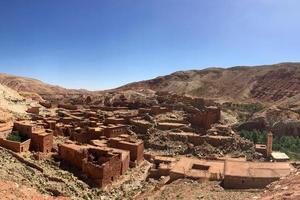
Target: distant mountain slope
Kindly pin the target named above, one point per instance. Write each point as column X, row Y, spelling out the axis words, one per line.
column 24, row 84
column 269, row 83
column 11, row 101
column 279, row 83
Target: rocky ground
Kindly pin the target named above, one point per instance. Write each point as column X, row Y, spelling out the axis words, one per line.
column 52, row 180
column 186, row 189
column 287, row 188
column 14, row 191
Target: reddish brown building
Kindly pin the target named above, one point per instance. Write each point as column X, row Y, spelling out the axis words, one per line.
column 41, row 141
column 135, row 147
column 100, row 164
column 114, row 130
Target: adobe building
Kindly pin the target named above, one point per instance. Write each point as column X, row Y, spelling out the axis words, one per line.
column 205, row 118
column 15, row 146
column 41, row 139
column 162, row 166
column 113, row 130
column 100, row 164
column 135, row 147
column 246, row 175
column 72, row 154
column 198, row 169
column 125, row 155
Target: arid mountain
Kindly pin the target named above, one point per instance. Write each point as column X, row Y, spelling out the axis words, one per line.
column 269, row 83
column 35, row 88
column 278, row 83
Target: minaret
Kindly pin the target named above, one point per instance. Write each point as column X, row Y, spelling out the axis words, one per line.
column 269, row 143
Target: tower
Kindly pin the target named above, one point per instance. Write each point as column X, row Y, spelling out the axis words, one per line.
column 269, row 143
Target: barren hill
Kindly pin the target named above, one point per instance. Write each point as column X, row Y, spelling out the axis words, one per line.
column 35, row 88
column 269, row 83
column 279, row 83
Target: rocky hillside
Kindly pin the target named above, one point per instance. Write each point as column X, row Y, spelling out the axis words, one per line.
column 286, row 188
column 279, row 83
column 36, row 89
column 12, row 102
column 269, row 83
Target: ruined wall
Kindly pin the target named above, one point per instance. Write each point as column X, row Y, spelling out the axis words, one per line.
column 114, row 131
column 206, row 118
column 103, row 173
column 72, row 155
column 15, row 146
column 25, row 129
column 136, row 149
column 233, row 182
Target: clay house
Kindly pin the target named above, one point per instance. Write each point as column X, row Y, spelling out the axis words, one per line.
column 205, row 118
column 101, row 165
column 198, row 169
column 113, row 130
column 245, row 175
column 125, row 155
column 33, row 110
column 85, row 135
column 135, row 147
column 41, row 139
column 15, row 143
column 162, row 166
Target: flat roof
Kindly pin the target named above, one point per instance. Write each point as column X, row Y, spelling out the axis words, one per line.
column 185, row 166
column 256, row 169
column 279, row 155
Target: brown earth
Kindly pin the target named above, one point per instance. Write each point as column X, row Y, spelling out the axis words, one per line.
column 186, row 189
column 14, row 191
column 268, row 83
column 36, row 88
column 286, row 188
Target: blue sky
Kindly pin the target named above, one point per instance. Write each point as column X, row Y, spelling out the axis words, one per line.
column 101, row 44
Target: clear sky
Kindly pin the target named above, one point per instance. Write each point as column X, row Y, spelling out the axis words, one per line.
column 100, row 44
